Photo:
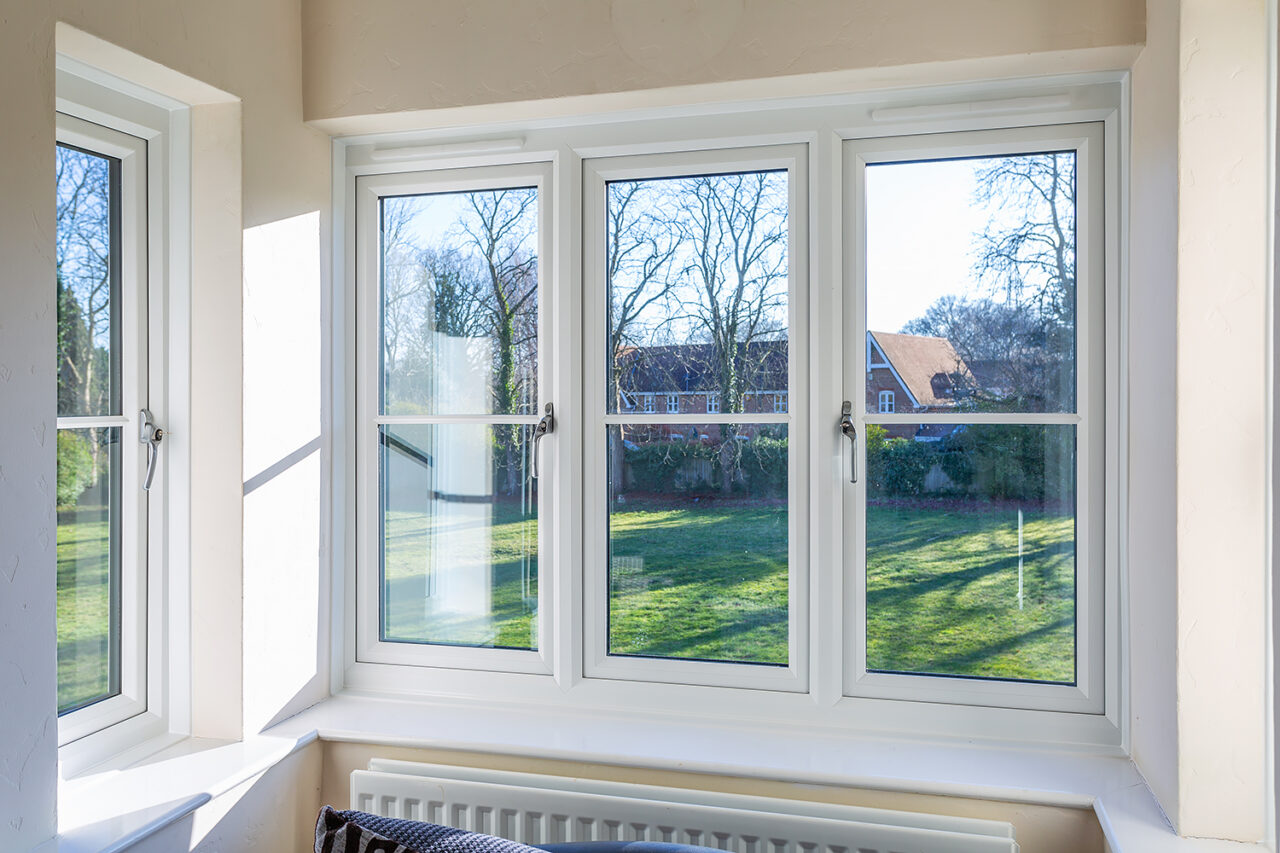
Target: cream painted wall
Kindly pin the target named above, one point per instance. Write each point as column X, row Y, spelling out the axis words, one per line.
column 1042, row 829
column 28, row 731
column 1153, row 279
column 394, row 55
column 1221, row 480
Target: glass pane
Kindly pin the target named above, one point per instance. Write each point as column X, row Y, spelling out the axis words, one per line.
column 971, row 284
column 971, row 552
column 459, row 535
column 697, row 276
column 698, row 542
column 88, row 494
column 88, row 263
column 459, row 303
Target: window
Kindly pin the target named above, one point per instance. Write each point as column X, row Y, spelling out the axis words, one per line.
column 962, row 564
column 997, row 331
column 451, row 528
column 101, row 297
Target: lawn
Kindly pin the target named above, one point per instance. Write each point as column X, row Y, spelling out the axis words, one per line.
column 700, row 580
column 84, row 606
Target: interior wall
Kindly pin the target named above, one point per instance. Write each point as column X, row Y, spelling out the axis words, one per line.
column 1153, row 278
column 256, row 356
column 395, row 55
column 1221, row 488
column 28, row 697
column 1044, row 829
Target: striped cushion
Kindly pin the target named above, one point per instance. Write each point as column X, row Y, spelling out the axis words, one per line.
column 360, row 832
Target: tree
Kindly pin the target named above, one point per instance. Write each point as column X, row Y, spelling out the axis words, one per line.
column 734, row 283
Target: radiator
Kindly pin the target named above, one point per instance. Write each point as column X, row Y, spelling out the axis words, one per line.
column 537, row 809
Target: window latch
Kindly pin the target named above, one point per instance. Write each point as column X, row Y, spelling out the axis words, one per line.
column 851, row 433
column 545, row 426
column 150, row 435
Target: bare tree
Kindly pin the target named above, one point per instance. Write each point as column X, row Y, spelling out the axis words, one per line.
column 641, row 248
column 1027, row 254
column 733, row 289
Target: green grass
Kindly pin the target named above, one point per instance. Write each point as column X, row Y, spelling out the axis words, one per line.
column 84, row 607
column 704, row 580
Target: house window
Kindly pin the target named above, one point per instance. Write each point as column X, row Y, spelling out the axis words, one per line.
column 994, row 336
column 101, row 296
column 453, row 335
column 686, row 548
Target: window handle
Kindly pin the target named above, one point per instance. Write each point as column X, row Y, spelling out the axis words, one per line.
column 546, row 425
column 851, row 433
column 150, row 435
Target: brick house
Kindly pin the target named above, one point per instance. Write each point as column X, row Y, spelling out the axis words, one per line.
column 915, row 373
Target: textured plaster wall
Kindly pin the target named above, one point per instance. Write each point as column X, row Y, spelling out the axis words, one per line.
column 1153, row 286
column 1221, row 490
column 384, row 56
column 28, row 729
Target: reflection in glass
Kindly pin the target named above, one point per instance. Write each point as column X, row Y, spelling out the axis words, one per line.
column 88, row 494
column 697, row 276
column 459, row 303
column 698, row 542
column 971, row 283
column 971, row 552
column 88, row 278
column 459, row 535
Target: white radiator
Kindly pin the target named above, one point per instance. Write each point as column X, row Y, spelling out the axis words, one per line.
column 537, row 809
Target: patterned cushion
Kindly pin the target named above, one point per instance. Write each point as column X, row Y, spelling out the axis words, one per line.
column 360, row 832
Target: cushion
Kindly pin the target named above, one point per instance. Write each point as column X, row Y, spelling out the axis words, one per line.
column 361, row 832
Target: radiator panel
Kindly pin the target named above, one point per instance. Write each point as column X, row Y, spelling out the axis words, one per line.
column 548, row 810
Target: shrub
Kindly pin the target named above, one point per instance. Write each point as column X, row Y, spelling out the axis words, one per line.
column 764, row 466
column 900, row 467
column 75, row 467
column 1009, row 462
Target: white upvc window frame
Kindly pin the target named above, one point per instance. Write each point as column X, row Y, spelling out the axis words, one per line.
column 713, row 403
column 155, row 131
column 650, row 405
column 370, row 190
column 1097, row 374
column 597, row 174
column 131, row 317
column 821, row 128
column 673, row 404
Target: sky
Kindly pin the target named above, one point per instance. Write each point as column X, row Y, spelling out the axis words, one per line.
column 922, row 228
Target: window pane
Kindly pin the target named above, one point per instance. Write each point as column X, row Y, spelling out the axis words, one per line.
column 88, row 495
column 971, row 283
column 459, row 535
column 697, row 276
column 698, row 542
column 459, row 303
column 88, row 264
column 971, row 552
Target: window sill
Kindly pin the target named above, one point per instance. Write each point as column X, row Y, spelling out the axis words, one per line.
column 114, row 806
column 1131, row 820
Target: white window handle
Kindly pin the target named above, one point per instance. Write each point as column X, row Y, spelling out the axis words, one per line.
column 150, row 435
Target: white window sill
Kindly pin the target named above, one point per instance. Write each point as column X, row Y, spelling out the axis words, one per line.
column 1111, row 786
column 104, row 811
column 110, row 808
